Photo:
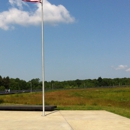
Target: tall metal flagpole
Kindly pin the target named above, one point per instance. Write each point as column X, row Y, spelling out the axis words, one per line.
column 42, row 22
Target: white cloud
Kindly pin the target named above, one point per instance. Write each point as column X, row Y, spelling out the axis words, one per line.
column 53, row 14
column 18, row 3
column 128, row 70
column 56, row 14
column 120, row 67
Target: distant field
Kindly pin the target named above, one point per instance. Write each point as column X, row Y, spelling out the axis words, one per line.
column 116, row 100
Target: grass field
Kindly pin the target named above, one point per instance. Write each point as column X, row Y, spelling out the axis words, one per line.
column 116, row 100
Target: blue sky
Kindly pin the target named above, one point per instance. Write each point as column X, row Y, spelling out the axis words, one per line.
column 82, row 39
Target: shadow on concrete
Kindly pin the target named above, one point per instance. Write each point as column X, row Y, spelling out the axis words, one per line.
column 52, row 112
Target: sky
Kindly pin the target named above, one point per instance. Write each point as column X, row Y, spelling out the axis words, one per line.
column 83, row 39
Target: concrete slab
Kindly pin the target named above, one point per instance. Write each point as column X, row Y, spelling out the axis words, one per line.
column 62, row 120
column 95, row 120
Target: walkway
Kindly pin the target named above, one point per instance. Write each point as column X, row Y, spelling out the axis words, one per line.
column 62, row 120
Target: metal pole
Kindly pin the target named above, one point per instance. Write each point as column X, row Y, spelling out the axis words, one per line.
column 43, row 103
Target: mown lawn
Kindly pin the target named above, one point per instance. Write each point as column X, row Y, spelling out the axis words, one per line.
column 116, row 100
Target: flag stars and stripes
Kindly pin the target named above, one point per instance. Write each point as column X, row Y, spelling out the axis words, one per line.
column 32, row 1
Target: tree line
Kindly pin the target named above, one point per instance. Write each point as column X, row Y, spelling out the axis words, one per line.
column 18, row 84
column 36, row 84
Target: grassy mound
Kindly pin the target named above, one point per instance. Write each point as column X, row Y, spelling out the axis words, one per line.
column 115, row 100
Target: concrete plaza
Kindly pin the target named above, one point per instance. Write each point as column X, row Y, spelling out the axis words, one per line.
column 62, row 120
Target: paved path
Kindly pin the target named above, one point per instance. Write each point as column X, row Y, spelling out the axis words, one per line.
column 62, row 120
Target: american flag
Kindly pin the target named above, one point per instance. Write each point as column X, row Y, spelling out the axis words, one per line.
column 32, row 1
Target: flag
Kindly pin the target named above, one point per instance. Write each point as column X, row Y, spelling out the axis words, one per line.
column 32, row 1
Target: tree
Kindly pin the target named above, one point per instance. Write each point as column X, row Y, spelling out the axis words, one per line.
column 78, row 82
column 6, row 82
column 99, row 81
column 22, row 85
column 35, row 83
column 13, row 84
column 0, row 81
column 52, row 84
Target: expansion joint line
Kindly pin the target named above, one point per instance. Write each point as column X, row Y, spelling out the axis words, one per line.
column 66, row 121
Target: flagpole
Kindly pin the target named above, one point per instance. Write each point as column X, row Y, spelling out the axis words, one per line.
column 42, row 22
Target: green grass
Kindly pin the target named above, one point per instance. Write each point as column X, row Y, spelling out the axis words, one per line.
column 116, row 100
